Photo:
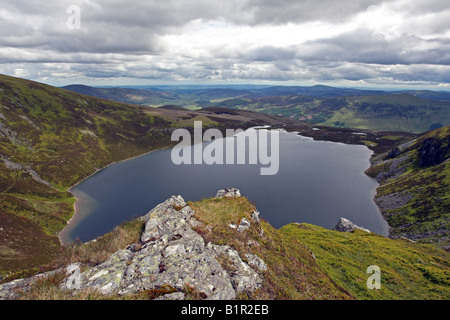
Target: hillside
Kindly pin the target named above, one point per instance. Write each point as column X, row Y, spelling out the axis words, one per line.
column 52, row 138
column 220, row 248
column 414, row 111
column 126, row 95
column 400, row 112
column 414, row 192
column 389, row 112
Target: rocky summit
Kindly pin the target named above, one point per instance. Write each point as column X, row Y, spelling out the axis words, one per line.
column 171, row 255
column 345, row 225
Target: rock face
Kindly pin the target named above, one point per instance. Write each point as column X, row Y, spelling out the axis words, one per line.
column 394, row 153
column 171, row 254
column 431, row 153
column 228, row 192
column 345, row 225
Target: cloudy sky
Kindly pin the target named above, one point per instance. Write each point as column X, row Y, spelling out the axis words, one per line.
column 120, row 42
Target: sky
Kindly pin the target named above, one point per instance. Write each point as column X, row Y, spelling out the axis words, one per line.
column 358, row 43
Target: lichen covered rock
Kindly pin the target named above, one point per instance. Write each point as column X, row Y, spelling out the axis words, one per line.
column 172, row 254
column 345, row 225
column 228, row 192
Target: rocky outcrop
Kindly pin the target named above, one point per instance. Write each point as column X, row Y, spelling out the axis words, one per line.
column 228, row 192
column 9, row 290
column 169, row 255
column 345, row 225
column 431, row 152
column 172, row 255
column 394, row 153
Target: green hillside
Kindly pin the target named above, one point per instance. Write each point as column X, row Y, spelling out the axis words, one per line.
column 408, row 271
column 50, row 139
column 390, row 112
column 127, row 95
column 399, row 112
column 298, row 255
column 414, row 195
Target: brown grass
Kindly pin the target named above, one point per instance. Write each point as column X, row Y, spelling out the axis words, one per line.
column 96, row 252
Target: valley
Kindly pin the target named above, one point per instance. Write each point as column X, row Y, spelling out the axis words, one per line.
column 52, row 138
column 407, row 111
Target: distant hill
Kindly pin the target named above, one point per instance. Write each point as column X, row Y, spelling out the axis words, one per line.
column 392, row 112
column 173, row 107
column 319, row 91
column 408, row 111
column 429, row 95
column 126, row 95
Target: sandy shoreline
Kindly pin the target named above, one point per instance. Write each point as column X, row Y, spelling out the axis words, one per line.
column 75, row 216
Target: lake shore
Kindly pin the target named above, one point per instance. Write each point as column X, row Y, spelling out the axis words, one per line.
column 63, row 233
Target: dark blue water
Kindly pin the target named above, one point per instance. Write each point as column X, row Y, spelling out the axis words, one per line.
column 317, row 182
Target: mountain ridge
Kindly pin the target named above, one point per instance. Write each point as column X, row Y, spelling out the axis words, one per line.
column 408, row 110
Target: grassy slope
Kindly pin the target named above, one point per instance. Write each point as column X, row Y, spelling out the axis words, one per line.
column 292, row 272
column 408, row 270
column 400, row 112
